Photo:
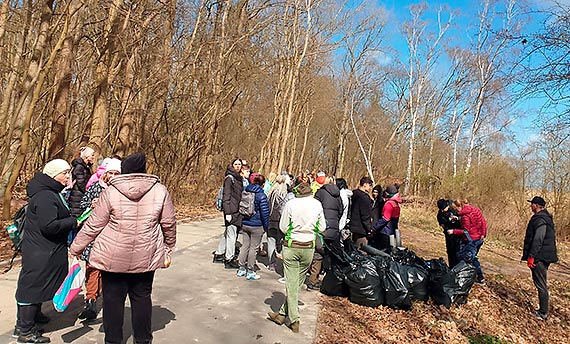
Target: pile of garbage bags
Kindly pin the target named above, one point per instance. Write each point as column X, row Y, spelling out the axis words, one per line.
column 396, row 278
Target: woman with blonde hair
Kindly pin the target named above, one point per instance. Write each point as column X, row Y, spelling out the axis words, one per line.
column 277, row 197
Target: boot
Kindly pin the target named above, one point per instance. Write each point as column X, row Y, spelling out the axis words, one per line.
column 294, row 326
column 231, row 264
column 276, row 318
column 89, row 311
column 32, row 337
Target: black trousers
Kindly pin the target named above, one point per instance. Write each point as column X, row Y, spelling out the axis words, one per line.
column 116, row 287
column 539, row 278
column 27, row 317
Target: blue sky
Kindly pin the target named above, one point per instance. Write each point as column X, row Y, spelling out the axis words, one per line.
column 523, row 127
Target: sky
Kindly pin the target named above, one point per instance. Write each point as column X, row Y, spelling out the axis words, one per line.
column 524, row 127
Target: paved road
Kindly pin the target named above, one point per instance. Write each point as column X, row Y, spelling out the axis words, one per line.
column 194, row 301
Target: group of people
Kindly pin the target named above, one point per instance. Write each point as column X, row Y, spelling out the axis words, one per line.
column 464, row 223
column 306, row 218
column 130, row 233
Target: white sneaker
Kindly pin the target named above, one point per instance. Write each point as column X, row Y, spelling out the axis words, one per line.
column 252, row 276
column 282, row 280
column 241, row 272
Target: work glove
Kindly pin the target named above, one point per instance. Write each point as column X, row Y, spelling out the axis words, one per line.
column 530, row 263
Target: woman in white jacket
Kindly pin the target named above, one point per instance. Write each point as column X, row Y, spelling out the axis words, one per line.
column 301, row 221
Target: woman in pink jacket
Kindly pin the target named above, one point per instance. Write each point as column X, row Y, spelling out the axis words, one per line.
column 474, row 223
column 134, row 232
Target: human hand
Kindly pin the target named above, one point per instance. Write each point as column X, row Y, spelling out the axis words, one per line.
column 530, row 263
column 228, row 218
column 94, row 202
column 450, row 231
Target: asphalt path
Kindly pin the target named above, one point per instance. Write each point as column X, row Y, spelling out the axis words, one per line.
column 194, row 301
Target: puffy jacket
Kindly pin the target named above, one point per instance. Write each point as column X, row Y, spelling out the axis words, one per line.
column 261, row 216
column 360, row 215
column 96, row 176
column 345, row 196
column 540, row 238
column 44, row 243
column 233, row 187
column 276, row 202
column 329, row 196
column 80, row 174
column 390, row 219
column 473, row 221
column 133, row 225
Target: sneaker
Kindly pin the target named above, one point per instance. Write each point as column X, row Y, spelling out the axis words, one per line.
column 271, row 267
column 282, row 280
column 241, row 272
column 311, row 286
column 231, row 264
column 481, row 282
column 17, row 331
column 540, row 316
column 252, row 276
column 32, row 337
column 277, row 318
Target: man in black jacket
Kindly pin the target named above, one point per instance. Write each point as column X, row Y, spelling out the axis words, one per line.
column 449, row 219
column 361, row 212
column 540, row 250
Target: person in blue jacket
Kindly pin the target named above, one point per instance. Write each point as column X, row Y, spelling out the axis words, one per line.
column 253, row 229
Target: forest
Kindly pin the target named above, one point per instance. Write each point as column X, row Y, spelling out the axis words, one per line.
column 431, row 99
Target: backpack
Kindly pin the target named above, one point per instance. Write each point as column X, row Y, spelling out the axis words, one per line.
column 16, row 233
column 247, row 204
column 220, row 195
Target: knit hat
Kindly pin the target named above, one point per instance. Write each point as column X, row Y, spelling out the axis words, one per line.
column 537, row 200
column 391, row 190
column 442, row 204
column 86, row 152
column 321, row 178
column 303, row 189
column 113, row 165
column 55, row 167
column 134, row 163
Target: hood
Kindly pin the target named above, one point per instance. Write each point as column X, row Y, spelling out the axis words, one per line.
column 544, row 213
column 230, row 171
column 468, row 208
column 396, row 198
column 332, row 189
column 79, row 161
column 42, row 181
column 134, row 185
column 254, row 188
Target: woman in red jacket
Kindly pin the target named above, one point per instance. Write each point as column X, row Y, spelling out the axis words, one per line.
column 474, row 223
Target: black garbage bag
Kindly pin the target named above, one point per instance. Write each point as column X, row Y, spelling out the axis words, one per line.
column 364, row 284
column 333, row 284
column 396, row 285
column 447, row 287
column 406, row 256
column 417, row 280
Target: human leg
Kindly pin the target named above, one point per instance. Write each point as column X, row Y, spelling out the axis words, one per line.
column 140, row 290
column 231, row 237
column 476, row 262
column 539, row 275
column 115, row 289
column 256, row 234
column 92, row 291
column 245, row 247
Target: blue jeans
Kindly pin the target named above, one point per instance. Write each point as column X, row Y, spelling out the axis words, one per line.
column 478, row 243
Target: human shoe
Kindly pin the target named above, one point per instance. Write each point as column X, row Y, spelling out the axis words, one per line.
column 41, row 318
column 241, row 272
column 540, row 316
column 276, row 318
column 218, row 258
column 294, row 326
column 311, row 286
column 282, row 280
column 17, row 331
column 481, row 281
column 271, row 267
column 32, row 337
column 252, row 276
column 89, row 311
column 231, row 264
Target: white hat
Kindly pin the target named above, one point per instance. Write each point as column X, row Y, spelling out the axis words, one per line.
column 113, row 165
column 86, row 152
column 55, row 167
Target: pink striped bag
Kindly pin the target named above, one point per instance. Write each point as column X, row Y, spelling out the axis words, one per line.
column 70, row 287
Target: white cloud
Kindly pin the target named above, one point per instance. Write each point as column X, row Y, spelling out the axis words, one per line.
column 382, row 58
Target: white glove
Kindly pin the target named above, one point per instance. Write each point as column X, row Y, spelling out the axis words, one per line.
column 228, row 218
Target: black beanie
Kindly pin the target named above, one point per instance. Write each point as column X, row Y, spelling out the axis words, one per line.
column 134, row 163
column 442, row 204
